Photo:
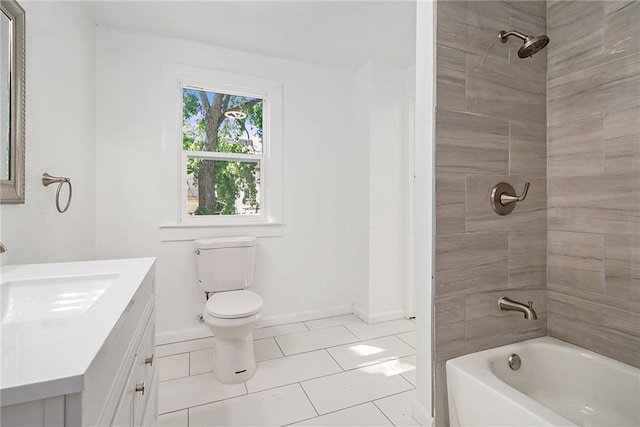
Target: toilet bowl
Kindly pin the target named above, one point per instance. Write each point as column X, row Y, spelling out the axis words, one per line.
column 225, row 270
column 232, row 316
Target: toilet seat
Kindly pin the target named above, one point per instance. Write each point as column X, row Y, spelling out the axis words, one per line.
column 233, row 304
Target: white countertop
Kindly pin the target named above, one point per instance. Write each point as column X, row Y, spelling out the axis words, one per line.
column 49, row 356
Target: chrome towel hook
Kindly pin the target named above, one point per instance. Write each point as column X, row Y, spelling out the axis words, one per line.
column 50, row 179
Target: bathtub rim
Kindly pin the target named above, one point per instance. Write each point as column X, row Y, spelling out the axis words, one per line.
column 476, row 367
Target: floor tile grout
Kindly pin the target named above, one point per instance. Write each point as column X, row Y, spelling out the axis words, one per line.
column 310, row 351
column 293, row 333
column 247, row 393
column 334, row 359
column 326, row 349
column 382, row 412
column 310, row 401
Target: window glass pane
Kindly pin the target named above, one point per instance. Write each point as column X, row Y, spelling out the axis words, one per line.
column 222, row 187
column 222, row 122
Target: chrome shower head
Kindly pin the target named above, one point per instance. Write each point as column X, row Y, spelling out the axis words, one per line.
column 531, row 46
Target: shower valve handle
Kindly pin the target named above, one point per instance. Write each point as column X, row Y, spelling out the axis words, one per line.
column 505, row 199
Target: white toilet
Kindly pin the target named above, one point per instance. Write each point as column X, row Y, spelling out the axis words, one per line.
column 225, row 270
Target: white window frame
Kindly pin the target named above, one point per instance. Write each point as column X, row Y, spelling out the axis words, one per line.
column 218, row 155
column 176, row 77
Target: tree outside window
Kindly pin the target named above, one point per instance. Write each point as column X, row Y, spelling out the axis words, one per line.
column 222, row 136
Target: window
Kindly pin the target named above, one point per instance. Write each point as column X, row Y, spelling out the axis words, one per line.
column 222, row 143
column 226, row 130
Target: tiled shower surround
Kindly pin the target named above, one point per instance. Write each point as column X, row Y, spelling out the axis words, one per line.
column 571, row 126
column 594, row 176
column 490, row 127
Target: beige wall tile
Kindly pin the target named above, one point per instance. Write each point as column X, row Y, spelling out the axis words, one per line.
column 576, row 260
column 616, row 303
column 622, row 140
column 471, row 263
column 449, row 329
column 528, row 215
column 477, row 146
column 449, row 310
column 612, row 6
column 607, row 203
column 609, row 86
column 450, row 79
column 601, row 339
column 528, row 149
column 622, row 29
column 467, row 143
column 449, row 339
column 576, row 33
column 449, row 203
column 473, row 26
column 535, row 9
column 512, row 91
column 576, row 148
column 528, row 260
column 622, row 267
column 596, row 310
column 442, row 404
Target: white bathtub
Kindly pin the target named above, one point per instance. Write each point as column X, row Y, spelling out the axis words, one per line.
column 558, row 384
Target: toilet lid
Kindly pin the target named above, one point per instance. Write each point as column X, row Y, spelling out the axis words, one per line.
column 234, row 304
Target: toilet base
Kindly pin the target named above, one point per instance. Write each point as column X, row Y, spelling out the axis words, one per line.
column 235, row 361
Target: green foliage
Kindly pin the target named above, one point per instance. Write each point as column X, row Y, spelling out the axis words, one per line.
column 231, row 178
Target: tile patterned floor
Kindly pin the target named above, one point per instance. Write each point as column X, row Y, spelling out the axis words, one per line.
column 337, row 371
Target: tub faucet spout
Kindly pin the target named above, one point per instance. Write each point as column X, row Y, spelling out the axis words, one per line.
column 3, row 248
column 507, row 304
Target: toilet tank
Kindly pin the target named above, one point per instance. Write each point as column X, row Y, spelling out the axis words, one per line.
column 225, row 264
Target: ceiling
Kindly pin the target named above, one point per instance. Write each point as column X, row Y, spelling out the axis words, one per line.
column 341, row 34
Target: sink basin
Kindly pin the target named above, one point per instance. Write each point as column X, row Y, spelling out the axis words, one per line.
column 51, row 297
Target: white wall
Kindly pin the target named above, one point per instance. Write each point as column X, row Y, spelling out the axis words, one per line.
column 360, row 230
column 382, row 137
column 309, row 271
column 60, row 135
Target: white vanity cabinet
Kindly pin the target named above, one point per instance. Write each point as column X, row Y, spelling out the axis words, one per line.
column 137, row 404
column 118, row 383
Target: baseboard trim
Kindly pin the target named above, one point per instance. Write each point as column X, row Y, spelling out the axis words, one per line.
column 202, row 331
column 421, row 414
column 361, row 314
column 303, row 316
column 194, row 333
column 386, row 316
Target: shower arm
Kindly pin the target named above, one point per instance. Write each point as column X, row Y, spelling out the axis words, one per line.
column 503, row 35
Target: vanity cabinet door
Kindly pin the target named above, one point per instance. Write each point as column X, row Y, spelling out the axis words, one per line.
column 124, row 412
column 143, row 370
column 150, row 416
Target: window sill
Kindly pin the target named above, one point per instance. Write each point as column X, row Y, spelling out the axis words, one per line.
column 187, row 232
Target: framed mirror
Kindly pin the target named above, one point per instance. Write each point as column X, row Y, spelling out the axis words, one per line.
column 12, row 102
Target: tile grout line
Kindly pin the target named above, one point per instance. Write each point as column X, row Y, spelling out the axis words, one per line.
column 279, row 348
column 247, row 393
column 334, row 373
column 274, row 336
column 382, row 412
column 334, row 359
column 347, row 343
column 309, row 399
column 307, row 352
column 209, row 403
